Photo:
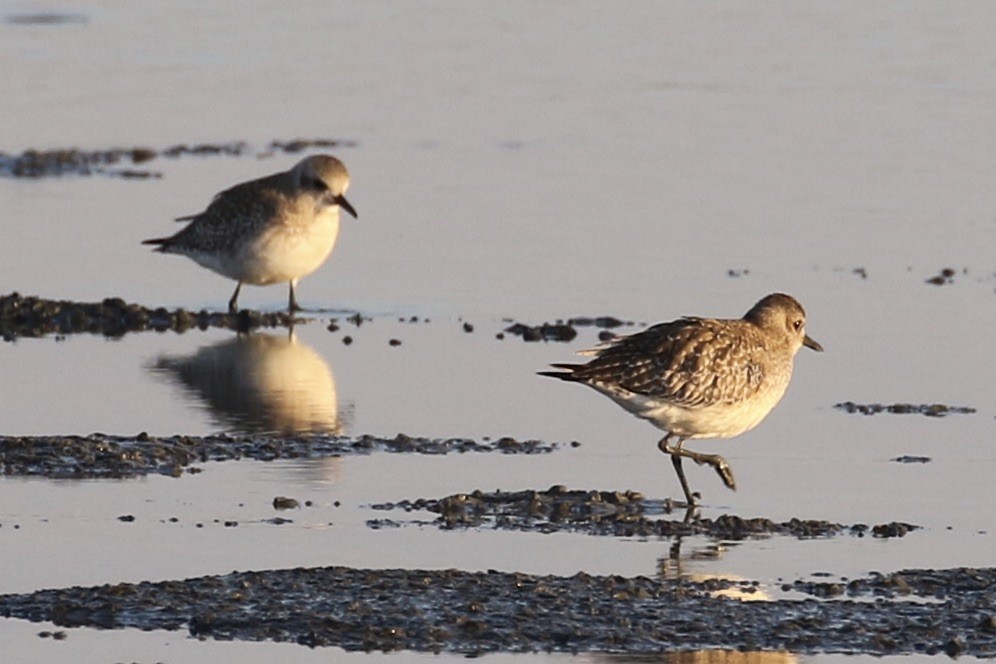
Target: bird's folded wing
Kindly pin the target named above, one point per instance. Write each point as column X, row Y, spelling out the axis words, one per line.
column 690, row 362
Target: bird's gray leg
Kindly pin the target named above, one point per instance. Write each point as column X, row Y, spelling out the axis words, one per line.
column 292, row 304
column 716, row 461
column 233, row 304
column 676, row 453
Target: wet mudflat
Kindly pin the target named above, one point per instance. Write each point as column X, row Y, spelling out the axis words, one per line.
column 33, row 316
column 916, row 611
column 531, row 180
column 466, row 611
column 616, row 513
column 78, row 457
column 122, row 162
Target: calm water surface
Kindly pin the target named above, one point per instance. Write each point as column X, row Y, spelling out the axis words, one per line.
column 525, row 161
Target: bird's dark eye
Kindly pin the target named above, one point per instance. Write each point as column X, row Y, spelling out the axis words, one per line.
column 797, row 325
column 314, row 183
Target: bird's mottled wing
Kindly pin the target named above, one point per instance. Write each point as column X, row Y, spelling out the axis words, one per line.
column 691, row 362
column 231, row 216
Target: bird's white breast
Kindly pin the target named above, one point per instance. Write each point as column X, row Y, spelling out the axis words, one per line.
column 286, row 250
column 721, row 420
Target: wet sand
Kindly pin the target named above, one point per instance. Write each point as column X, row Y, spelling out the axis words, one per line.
column 915, row 611
column 470, row 612
column 532, row 179
column 102, row 456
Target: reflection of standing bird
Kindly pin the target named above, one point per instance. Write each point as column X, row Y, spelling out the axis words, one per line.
column 701, row 377
column 275, row 229
column 260, row 383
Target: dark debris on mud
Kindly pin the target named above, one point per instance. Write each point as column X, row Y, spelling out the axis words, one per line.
column 30, row 316
column 944, row 277
column 613, row 513
column 45, row 18
column 565, row 330
column 123, row 162
column 100, row 456
column 911, row 458
column 930, row 410
column 478, row 612
column 544, row 332
column 937, row 585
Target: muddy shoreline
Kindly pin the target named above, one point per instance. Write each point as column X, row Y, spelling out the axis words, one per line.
column 124, row 162
column 949, row 612
column 914, row 611
column 29, row 316
column 104, row 456
column 35, row 317
column 608, row 513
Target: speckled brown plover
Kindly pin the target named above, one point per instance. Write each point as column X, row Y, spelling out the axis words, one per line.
column 700, row 377
column 271, row 230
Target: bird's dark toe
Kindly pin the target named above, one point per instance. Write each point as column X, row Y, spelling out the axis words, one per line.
column 725, row 473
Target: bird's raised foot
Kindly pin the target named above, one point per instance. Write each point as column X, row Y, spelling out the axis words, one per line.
column 720, row 464
column 725, row 473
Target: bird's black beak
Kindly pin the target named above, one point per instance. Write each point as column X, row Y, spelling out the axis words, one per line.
column 341, row 201
column 812, row 343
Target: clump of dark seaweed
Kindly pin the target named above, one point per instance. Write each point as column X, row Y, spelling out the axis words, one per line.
column 486, row 611
column 613, row 513
column 100, row 455
column 122, row 161
column 930, row 410
column 28, row 316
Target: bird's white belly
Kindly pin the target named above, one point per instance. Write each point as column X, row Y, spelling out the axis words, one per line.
column 724, row 420
column 282, row 252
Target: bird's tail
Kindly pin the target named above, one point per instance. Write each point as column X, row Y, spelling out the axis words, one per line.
column 567, row 374
column 162, row 244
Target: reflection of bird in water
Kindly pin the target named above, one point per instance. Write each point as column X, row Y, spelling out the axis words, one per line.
column 271, row 230
column 732, row 657
column 672, row 568
column 261, row 383
column 701, row 377
column 696, row 657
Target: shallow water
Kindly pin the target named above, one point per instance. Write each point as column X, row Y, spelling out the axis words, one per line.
column 530, row 162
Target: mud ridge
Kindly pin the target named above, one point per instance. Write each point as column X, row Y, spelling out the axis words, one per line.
column 566, row 330
column 33, row 316
column 121, row 161
column 29, row 316
column 610, row 513
column 99, row 455
column 478, row 612
column 928, row 409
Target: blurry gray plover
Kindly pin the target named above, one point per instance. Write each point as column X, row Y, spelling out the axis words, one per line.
column 271, row 230
column 700, row 377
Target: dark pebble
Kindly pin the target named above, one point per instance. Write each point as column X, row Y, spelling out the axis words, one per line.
column 285, row 503
column 544, row 332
